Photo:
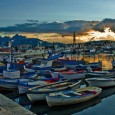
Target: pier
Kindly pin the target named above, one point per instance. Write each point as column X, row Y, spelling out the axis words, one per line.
column 9, row 107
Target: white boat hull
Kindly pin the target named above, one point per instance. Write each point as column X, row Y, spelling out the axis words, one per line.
column 23, row 88
column 101, row 82
column 73, row 76
column 9, row 86
column 36, row 97
column 100, row 74
column 68, row 76
column 67, row 100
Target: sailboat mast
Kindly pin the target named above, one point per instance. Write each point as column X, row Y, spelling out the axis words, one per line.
column 11, row 54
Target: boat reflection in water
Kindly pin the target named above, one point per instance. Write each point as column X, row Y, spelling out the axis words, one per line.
column 107, row 92
column 63, row 110
column 43, row 108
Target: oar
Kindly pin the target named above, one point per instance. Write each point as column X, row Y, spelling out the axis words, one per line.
column 30, row 89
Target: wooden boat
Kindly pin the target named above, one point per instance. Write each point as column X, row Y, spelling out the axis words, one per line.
column 64, row 110
column 24, row 86
column 72, row 96
column 10, row 84
column 100, row 74
column 69, row 74
column 39, row 93
column 46, row 64
column 80, row 64
column 70, row 63
column 72, row 109
column 101, row 82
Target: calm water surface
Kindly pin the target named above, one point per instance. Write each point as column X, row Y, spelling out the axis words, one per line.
column 105, row 59
column 104, row 104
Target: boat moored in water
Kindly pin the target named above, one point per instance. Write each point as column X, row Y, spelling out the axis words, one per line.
column 72, row 96
column 101, row 82
column 39, row 93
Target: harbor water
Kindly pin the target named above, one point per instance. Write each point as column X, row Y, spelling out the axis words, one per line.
column 104, row 104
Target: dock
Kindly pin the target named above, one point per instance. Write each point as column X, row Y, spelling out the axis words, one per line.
column 9, row 107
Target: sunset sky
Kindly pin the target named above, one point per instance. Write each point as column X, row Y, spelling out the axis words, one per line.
column 19, row 11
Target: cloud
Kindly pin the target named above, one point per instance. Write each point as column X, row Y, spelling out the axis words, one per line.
column 68, row 26
column 26, row 27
